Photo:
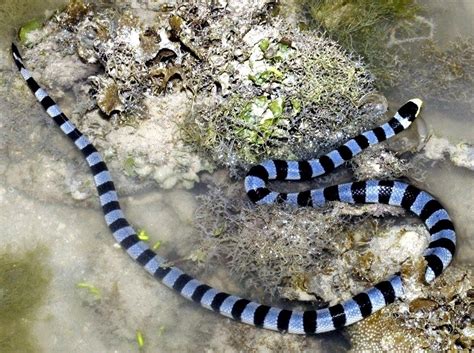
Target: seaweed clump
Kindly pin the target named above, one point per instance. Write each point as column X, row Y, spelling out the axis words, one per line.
column 365, row 27
column 300, row 253
column 289, row 243
column 279, row 93
column 24, row 283
column 396, row 40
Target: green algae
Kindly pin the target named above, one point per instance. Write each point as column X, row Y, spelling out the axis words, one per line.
column 24, row 280
column 26, row 29
column 260, row 118
column 129, row 166
column 90, row 288
column 397, row 44
column 14, row 14
column 283, row 103
column 362, row 26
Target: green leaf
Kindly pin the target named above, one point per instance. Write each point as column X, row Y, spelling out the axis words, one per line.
column 143, row 235
column 27, row 28
column 276, row 107
column 296, row 105
column 264, row 44
column 140, row 339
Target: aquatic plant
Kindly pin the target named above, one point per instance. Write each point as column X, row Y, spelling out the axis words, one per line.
column 140, row 339
column 364, row 27
column 282, row 93
column 301, row 253
column 264, row 261
column 91, row 289
column 26, row 29
column 397, row 44
column 24, row 280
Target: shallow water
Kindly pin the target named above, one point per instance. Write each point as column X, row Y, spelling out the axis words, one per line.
column 81, row 249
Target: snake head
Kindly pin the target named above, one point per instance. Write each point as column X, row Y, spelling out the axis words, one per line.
column 411, row 109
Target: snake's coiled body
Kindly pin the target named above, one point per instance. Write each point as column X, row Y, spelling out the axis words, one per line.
column 438, row 255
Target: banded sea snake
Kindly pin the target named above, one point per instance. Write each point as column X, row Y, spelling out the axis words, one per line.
column 438, row 255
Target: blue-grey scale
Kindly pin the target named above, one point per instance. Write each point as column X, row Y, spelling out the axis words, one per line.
column 438, row 255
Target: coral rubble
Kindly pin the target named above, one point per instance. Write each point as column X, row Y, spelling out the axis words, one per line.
column 439, row 318
column 461, row 154
column 116, row 66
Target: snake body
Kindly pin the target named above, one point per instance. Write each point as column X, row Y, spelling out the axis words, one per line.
column 438, row 255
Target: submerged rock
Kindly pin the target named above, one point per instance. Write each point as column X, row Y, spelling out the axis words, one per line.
column 141, row 132
column 461, row 154
column 200, row 85
column 437, row 318
column 282, row 93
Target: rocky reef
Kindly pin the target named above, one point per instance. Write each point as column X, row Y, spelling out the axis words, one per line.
column 436, row 318
column 169, row 93
column 117, row 68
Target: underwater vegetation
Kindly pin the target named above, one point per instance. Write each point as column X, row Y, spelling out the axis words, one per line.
column 316, row 256
column 281, row 93
column 18, row 14
column 180, row 94
column 396, row 40
column 364, row 27
column 24, row 280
